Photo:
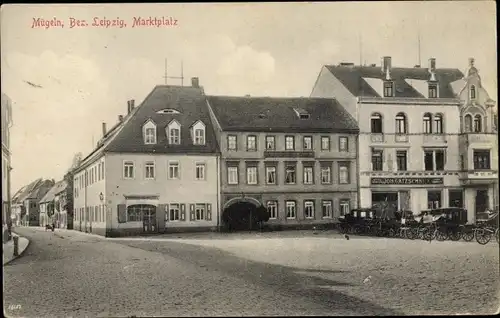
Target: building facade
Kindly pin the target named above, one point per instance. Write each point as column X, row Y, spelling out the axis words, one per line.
column 6, row 159
column 53, row 207
column 410, row 122
column 156, row 171
column 295, row 157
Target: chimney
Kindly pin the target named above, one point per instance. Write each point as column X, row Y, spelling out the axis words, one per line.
column 432, row 64
column 104, row 129
column 128, row 107
column 132, row 104
column 195, row 82
column 471, row 62
column 386, row 63
column 120, row 118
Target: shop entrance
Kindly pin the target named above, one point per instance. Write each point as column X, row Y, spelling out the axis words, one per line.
column 386, row 203
column 481, row 200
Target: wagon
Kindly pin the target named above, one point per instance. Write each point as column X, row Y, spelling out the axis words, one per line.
column 486, row 227
column 357, row 221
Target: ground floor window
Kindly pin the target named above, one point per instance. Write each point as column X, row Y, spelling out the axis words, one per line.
column 456, row 199
column 199, row 212
column 344, row 206
column 291, row 209
column 327, row 209
column 272, row 209
column 434, row 199
column 136, row 212
column 174, row 212
column 309, row 209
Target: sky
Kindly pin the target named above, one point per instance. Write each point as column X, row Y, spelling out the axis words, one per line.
column 87, row 74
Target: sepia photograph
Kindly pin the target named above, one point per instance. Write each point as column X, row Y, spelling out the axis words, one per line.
column 250, row 159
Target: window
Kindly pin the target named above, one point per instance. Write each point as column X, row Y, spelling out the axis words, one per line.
column 272, row 209
column 482, row 160
column 343, row 144
column 128, row 170
column 427, row 123
column 150, row 170
column 200, row 171
column 251, row 143
column 174, row 212
column 174, row 136
column 150, row 135
column 307, row 143
column 344, row 172
column 456, row 199
column 251, row 175
column 271, row 175
column 290, row 174
column 309, row 209
column 290, row 209
column 135, row 212
column 231, row 142
column 401, row 158
column 326, row 209
column 199, row 136
column 173, row 170
column 102, row 167
column 232, row 175
column 344, row 206
column 433, row 199
column 434, row 160
column 270, row 143
column 376, row 124
column 199, row 212
column 401, row 123
column 308, row 175
column 472, row 92
column 289, row 142
column 377, row 160
column 388, row 89
column 326, row 175
column 438, row 124
column 477, row 123
column 433, row 91
column 325, row 143
column 99, row 177
column 468, row 123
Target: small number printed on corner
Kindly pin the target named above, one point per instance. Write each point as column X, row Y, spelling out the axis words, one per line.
column 14, row 307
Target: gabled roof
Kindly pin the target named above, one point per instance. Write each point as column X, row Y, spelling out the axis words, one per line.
column 56, row 189
column 352, row 77
column 25, row 192
column 41, row 189
column 262, row 114
column 191, row 104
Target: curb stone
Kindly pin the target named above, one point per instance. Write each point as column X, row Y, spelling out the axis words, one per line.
column 21, row 251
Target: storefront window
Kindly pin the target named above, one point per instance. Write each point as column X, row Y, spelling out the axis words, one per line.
column 455, row 199
column 433, row 199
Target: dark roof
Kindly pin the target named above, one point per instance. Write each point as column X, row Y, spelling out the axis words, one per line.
column 272, row 114
column 352, row 78
column 25, row 192
column 191, row 104
column 56, row 189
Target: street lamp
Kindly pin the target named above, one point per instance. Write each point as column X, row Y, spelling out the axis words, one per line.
column 101, row 197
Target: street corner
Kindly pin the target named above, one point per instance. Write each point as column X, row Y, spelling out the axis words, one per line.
column 13, row 250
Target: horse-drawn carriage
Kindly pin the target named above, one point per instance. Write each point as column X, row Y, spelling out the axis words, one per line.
column 357, row 221
column 486, row 227
column 440, row 224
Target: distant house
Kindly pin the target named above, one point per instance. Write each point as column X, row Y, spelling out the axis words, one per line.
column 53, row 206
column 155, row 171
column 19, row 209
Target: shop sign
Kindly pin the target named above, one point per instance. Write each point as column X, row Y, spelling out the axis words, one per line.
column 406, row 181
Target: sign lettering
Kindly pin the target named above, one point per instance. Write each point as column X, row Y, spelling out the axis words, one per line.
column 407, row 181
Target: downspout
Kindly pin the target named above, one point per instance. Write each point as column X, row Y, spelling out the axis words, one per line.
column 358, row 178
column 218, row 193
column 85, row 199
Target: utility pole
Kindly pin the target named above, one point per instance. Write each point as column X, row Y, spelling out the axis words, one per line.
column 166, row 77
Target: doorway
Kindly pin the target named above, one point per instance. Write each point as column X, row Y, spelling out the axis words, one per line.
column 386, row 203
column 481, row 200
column 149, row 218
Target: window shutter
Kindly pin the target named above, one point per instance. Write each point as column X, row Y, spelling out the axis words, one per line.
column 160, row 215
column 209, row 212
column 122, row 213
column 166, row 211
column 191, row 209
column 183, row 212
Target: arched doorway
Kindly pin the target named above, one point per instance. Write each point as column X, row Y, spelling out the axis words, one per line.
column 240, row 214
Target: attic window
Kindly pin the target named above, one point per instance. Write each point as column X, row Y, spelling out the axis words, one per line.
column 433, row 89
column 168, row 111
column 301, row 113
column 388, row 89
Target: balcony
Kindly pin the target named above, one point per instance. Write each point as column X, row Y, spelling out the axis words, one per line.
column 481, row 138
column 288, row 154
column 377, row 138
column 435, row 139
column 478, row 177
column 401, row 138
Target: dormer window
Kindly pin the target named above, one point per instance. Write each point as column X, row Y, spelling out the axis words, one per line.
column 472, row 92
column 149, row 133
column 433, row 90
column 198, row 133
column 301, row 113
column 388, row 89
column 168, row 111
column 174, row 133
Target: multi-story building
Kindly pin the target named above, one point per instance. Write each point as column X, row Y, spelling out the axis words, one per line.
column 155, row 171
column 410, row 122
column 53, row 206
column 26, row 203
column 295, row 157
column 6, row 163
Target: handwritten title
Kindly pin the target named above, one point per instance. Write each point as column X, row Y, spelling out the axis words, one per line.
column 104, row 22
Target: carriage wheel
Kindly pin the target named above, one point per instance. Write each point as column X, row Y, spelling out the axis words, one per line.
column 468, row 235
column 391, row 233
column 496, row 236
column 483, row 236
column 441, row 235
column 410, row 233
column 357, row 229
column 455, row 235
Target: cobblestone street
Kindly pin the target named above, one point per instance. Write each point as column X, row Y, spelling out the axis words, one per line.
column 67, row 273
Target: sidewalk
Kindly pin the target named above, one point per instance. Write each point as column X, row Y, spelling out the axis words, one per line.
column 8, row 248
